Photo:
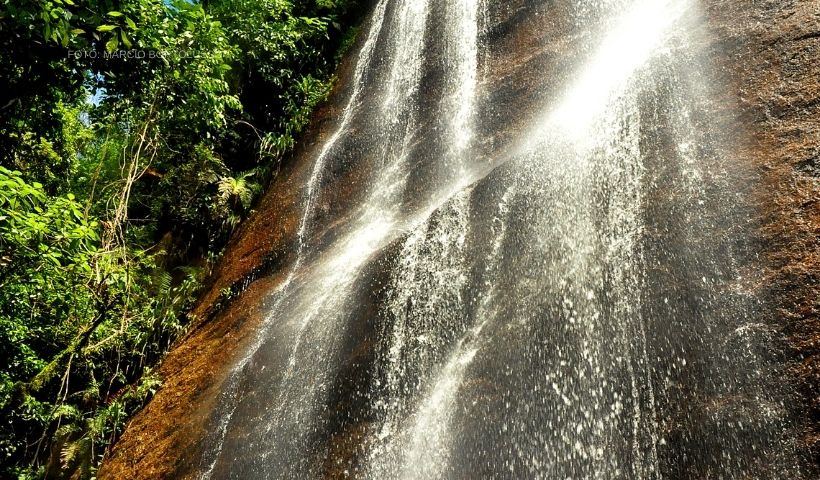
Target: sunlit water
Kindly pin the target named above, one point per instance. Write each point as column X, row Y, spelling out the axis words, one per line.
column 558, row 310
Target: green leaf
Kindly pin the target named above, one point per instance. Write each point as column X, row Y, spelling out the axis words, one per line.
column 112, row 44
column 114, row 14
column 125, row 39
column 106, row 28
column 130, row 23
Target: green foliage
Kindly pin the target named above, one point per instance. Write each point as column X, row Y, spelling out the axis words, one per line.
column 112, row 211
column 47, row 249
column 67, row 307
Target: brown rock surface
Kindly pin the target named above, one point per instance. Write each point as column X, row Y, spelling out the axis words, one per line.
column 767, row 54
column 771, row 58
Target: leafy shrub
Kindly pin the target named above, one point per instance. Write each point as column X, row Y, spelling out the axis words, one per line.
column 112, row 209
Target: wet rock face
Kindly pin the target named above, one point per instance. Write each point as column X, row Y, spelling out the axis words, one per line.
column 763, row 60
column 771, row 51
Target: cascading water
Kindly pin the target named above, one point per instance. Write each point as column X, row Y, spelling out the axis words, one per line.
column 561, row 310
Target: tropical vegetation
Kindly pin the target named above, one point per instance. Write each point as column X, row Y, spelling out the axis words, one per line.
column 135, row 135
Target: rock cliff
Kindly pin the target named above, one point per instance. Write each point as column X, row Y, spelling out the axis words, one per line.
column 764, row 57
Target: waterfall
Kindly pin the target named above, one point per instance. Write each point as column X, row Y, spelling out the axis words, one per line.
column 553, row 303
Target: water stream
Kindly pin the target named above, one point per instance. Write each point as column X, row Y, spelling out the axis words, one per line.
column 558, row 305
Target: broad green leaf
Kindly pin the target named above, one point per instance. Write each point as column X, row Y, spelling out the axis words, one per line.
column 112, row 44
